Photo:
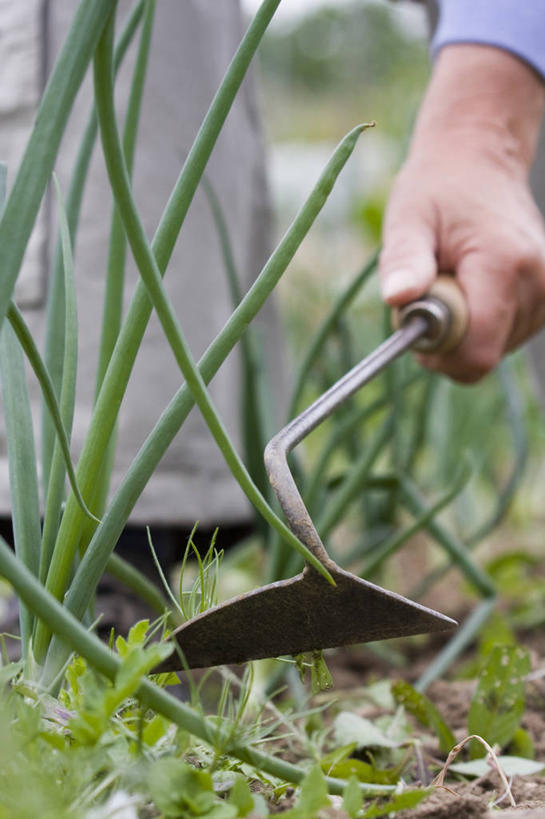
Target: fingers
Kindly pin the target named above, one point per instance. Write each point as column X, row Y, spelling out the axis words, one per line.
column 481, row 224
column 408, row 264
column 530, row 314
column 491, row 300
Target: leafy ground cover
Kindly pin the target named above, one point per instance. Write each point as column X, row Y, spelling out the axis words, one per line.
column 94, row 750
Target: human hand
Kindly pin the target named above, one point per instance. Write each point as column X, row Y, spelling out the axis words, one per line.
column 462, row 204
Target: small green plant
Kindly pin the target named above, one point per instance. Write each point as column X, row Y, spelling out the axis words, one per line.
column 495, row 711
column 204, row 591
column 498, row 704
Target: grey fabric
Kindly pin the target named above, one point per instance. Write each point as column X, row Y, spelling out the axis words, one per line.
column 508, row 24
column 193, row 42
column 21, row 58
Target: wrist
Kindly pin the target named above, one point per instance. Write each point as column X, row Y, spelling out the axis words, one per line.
column 488, row 98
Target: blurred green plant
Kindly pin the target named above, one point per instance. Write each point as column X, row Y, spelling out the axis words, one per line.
column 339, row 58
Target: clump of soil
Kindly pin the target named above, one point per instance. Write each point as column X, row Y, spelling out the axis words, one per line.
column 475, row 799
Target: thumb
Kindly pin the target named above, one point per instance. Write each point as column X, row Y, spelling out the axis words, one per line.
column 407, row 264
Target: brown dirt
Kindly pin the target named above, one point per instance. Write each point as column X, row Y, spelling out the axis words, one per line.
column 352, row 668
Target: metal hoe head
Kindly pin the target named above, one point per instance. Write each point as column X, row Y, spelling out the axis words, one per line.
column 301, row 614
column 307, row 612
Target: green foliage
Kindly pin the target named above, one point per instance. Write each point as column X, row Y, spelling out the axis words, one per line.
column 71, row 529
column 495, row 632
column 97, row 732
column 40, row 775
column 340, row 44
column 425, row 712
column 22, row 465
column 352, row 798
column 96, row 741
column 402, row 801
column 342, row 764
column 498, row 704
column 320, row 677
column 521, row 744
column 522, row 585
column 98, row 700
column 70, row 532
column 354, row 51
column 203, row 593
column 369, row 214
column 180, row 790
column 312, row 798
column 241, row 797
column 363, row 733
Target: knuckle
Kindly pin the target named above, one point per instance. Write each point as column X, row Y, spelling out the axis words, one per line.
column 482, row 361
column 474, row 360
column 535, row 257
column 521, row 252
column 470, row 377
column 530, row 259
column 457, row 370
column 464, row 367
column 511, row 255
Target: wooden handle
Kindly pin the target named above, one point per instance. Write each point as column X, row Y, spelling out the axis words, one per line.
column 445, row 306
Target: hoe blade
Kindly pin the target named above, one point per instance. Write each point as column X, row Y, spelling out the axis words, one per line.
column 304, row 613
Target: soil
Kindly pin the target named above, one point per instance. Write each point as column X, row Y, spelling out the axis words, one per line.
column 352, row 668
column 484, row 797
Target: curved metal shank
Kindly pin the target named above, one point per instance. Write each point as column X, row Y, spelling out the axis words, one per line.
column 284, row 441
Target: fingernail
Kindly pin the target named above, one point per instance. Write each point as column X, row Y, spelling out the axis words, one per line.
column 397, row 283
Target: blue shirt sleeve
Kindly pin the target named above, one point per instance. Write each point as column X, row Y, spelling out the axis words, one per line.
column 517, row 26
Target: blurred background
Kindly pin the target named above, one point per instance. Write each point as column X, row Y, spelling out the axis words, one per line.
column 323, row 68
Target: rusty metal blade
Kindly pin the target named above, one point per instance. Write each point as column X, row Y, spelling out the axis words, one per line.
column 301, row 614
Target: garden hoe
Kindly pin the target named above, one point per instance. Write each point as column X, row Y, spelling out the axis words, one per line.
column 307, row 612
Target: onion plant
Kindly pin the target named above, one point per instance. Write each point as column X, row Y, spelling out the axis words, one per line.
column 70, row 552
